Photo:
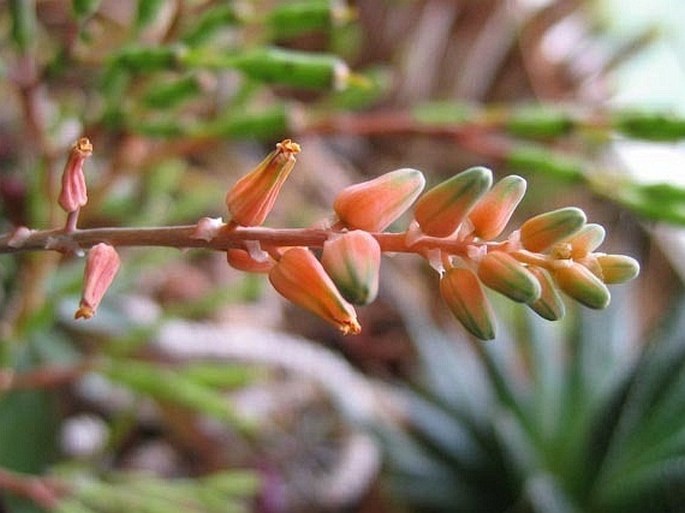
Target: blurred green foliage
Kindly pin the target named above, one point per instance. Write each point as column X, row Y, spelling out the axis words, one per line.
column 567, row 422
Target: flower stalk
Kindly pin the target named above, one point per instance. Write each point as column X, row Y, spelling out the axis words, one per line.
column 455, row 223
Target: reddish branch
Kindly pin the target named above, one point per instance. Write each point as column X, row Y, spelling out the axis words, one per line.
column 183, row 237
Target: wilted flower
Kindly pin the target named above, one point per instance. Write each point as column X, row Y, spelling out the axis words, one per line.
column 74, row 193
column 503, row 273
column 299, row 277
column 253, row 196
column 102, row 264
column 373, row 205
column 543, row 231
column 353, row 261
column 441, row 210
column 464, row 295
column 492, row 213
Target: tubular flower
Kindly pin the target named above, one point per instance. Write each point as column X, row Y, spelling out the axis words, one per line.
column 541, row 232
column 492, row 213
column 299, row 277
column 253, row 196
column 102, row 264
column 549, row 305
column 74, row 194
column 581, row 284
column 353, row 262
column 441, row 210
column 373, row 205
column 464, row 295
column 503, row 273
column 241, row 260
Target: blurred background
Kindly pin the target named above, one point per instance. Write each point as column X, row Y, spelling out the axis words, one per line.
column 197, row 388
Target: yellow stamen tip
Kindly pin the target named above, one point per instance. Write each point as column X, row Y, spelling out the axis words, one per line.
column 289, row 146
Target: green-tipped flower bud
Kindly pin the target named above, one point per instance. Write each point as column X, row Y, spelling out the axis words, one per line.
column 442, row 209
column 581, row 284
column 353, row 262
column 492, row 213
column 549, row 305
column 543, row 231
column 503, row 273
column 373, row 205
column 586, row 240
column 618, row 268
column 464, row 295
column 299, row 277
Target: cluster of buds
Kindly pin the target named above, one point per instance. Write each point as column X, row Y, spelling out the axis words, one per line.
column 455, row 226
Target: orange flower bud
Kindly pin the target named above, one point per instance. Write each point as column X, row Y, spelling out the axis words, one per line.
column 299, row 277
column 253, row 196
column 588, row 239
column 243, row 261
column 373, row 205
column 464, row 295
column 549, row 305
column 74, row 193
column 541, row 232
column 102, row 264
column 581, row 284
column 618, row 268
column 503, row 273
column 492, row 213
column 353, row 261
column 441, row 210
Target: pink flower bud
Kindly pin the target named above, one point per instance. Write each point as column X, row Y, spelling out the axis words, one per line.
column 442, row 209
column 503, row 273
column 299, row 277
column 253, row 196
column 353, row 262
column 492, row 213
column 102, row 264
column 374, row 205
column 464, row 295
column 74, row 193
